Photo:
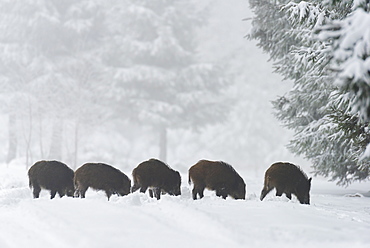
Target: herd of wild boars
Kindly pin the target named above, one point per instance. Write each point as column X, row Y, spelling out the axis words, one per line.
column 160, row 178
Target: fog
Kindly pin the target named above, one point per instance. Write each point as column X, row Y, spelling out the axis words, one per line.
column 121, row 82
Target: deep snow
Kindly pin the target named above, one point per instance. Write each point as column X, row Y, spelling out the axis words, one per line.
column 334, row 218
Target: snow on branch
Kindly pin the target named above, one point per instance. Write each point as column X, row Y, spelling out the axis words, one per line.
column 306, row 12
column 351, row 58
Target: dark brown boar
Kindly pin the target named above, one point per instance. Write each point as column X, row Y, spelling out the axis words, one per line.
column 218, row 176
column 154, row 174
column 101, row 176
column 51, row 175
column 288, row 179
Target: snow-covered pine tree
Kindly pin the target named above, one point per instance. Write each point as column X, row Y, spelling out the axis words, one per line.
column 157, row 75
column 316, row 109
column 351, row 57
column 350, row 60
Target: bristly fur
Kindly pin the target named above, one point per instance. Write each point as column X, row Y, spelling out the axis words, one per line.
column 161, row 162
column 228, row 165
column 297, row 166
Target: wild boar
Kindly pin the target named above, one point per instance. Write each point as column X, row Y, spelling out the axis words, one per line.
column 218, row 176
column 288, row 179
column 101, row 176
column 154, row 174
column 51, row 175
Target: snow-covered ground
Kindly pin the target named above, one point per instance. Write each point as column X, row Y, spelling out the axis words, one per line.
column 335, row 218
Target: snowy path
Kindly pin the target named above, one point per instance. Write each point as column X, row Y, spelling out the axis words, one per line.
column 332, row 219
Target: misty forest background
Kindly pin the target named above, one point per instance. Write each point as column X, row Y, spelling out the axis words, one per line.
column 122, row 81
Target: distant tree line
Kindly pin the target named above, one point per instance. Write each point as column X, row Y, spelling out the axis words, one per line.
column 70, row 67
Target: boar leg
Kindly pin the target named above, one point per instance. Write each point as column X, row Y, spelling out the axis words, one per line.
column 279, row 192
column 82, row 192
column 135, row 187
column 224, row 195
column 289, row 195
column 77, row 193
column 198, row 190
column 108, row 193
column 195, row 192
column 143, row 189
column 52, row 194
column 61, row 193
column 221, row 193
column 157, row 193
column 36, row 191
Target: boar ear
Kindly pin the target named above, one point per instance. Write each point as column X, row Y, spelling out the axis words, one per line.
column 309, row 180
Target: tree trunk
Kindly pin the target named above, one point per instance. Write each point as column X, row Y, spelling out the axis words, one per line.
column 13, row 140
column 41, row 146
column 56, row 140
column 28, row 136
column 163, row 143
column 76, row 144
